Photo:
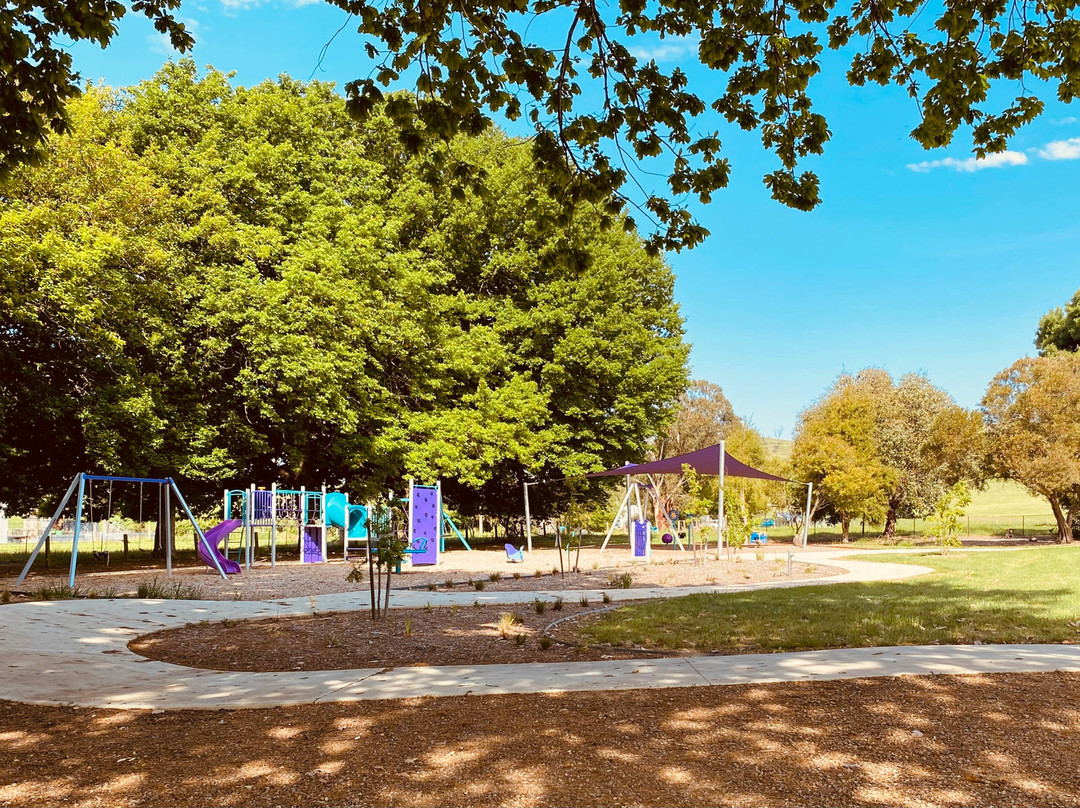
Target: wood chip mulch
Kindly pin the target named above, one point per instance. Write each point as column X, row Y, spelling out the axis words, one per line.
column 1000, row 740
column 466, row 635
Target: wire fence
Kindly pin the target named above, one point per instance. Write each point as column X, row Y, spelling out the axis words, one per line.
column 1021, row 525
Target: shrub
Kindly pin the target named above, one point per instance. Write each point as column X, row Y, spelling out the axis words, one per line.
column 545, row 642
column 495, row 577
column 622, row 581
column 539, row 606
column 170, row 590
column 507, row 621
column 519, row 639
column 584, row 600
column 606, row 598
column 557, row 605
column 478, row 586
column 449, row 583
column 432, row 586
column 57, row 592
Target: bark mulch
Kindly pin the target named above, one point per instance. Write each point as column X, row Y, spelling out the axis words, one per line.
column 448, row 635
column 1007, row 739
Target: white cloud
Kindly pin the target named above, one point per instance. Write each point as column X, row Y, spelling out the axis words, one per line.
column 972, row 164
column 1063, row 121
column 232, row 6
column 669, row 51
column 1061, row 150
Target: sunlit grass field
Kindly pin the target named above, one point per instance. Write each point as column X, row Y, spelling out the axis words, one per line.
column 1010, row 596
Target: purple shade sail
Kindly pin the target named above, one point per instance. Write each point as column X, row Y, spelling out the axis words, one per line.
column 703, row 461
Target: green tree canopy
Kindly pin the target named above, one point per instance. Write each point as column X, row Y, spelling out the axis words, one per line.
column 239, row 284
column 835, row 448
column 1059, row 328
column 1032, row 412
column 909, row 428
column 570, row 70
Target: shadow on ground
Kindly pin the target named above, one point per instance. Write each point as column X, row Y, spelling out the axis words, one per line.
column 963, row 741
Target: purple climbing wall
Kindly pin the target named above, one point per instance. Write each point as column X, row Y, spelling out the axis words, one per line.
column 425, row 525
column 640, row 545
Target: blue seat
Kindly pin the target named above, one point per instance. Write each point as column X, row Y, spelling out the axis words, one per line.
column 514, row 555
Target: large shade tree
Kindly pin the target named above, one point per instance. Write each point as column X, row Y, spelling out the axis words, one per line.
column 573, row 76
column 1059, row 328
column 909, row 429
column 1032, row 411
column 835, row 448
column 246, row 284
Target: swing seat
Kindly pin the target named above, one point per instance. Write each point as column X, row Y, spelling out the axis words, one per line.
column 102, row 556
column 514, row 555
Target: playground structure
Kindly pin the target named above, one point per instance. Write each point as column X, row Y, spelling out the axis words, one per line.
column 427, row 523
column 311, row 513
column 166, row 490
column 712, row 460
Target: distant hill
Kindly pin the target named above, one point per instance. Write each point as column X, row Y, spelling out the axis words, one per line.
column 777, row 447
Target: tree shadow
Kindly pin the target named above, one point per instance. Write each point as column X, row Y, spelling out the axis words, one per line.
column 942, row 740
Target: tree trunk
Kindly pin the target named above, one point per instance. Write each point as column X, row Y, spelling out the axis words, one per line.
column 845, row 525
column 890, row 522
column 1065, row 534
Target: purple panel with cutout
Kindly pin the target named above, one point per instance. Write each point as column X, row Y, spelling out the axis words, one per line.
column 640, row 544
column 425, row 525
column 312, row 551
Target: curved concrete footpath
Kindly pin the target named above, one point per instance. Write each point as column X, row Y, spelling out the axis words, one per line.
column 75, row 653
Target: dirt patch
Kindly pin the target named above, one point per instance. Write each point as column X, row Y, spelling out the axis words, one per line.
column 449, row 635
column 916, row 741
column 294, row 579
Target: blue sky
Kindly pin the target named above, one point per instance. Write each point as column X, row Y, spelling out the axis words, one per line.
column 916, row 261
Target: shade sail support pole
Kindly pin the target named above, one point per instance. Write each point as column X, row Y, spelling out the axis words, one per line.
column 721, row 537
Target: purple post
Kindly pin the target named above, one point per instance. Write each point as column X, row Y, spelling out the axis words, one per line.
column 424, row 530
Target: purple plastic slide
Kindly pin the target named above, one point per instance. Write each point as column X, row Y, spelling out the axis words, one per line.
column 214, row 537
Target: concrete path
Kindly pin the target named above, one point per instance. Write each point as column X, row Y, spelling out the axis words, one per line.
column 75, row 653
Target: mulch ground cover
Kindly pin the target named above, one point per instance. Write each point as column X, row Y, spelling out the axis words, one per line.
column 1007, row 739
column 448, row 635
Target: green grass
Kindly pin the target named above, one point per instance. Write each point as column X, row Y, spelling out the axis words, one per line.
column 777, row 447
column 1012, row 596
column 1001, row 506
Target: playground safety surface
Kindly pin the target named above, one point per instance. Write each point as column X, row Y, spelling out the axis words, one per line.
column 784, row 731
column 1006, row 739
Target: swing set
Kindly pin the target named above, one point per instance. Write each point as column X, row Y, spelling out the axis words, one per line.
column 82, row 488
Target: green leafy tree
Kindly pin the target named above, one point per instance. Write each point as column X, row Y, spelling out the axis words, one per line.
column 574, row 71
column 37, row 77
column 230, row 284
column 1059, row 328
column 945, row 518
column 1032, row 411
column 835, row 449
column 703, row 417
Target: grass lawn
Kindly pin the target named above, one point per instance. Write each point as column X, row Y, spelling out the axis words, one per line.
column 998, row 597
column 1000, row 506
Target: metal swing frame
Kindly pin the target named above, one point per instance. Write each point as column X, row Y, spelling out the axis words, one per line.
column 167, row 489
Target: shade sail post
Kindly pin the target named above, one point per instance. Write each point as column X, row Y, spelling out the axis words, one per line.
column 528, row 520
column 721, row 537
column 806, row 519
